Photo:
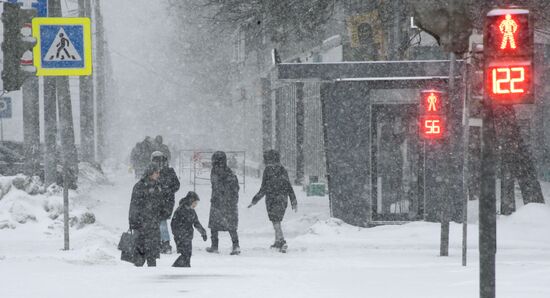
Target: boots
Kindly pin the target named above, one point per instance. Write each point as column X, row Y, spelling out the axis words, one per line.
column 280, row 245
column 214, row 247
column 236, row 249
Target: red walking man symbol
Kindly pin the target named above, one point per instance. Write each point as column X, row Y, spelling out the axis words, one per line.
column 508, row 27
column 432, row 100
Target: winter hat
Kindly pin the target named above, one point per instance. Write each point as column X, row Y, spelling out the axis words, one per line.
column 157, row 155
column 219, row 159
column 189, row 198
column 159, row 139
column 150, row 169
column 272, row 157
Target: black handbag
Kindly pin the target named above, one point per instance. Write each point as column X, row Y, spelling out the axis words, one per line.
column 127, row 246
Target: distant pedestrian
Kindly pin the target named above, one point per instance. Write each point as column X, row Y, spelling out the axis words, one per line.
column 169, row 184
column 144, row 216
column 224, row 211
column 141, row 156
column 277, row 189
column 160, row 146
column 185, row 218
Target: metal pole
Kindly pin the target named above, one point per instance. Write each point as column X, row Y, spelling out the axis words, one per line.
column 66, row 204
column 465, row 169
column 487, row 207
column 424, row 181
column 444, row 244
column 50, row 113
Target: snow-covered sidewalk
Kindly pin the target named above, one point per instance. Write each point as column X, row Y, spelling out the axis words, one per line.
column 327, row 258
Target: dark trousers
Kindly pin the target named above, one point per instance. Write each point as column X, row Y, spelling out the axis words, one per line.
column 140, row 261
column 215, row 239
column 184, row 260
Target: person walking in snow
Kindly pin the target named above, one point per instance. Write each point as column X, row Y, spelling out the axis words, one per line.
column 224, row 212
column 169, row 184
column 277, row 190
column 185, row 218
column 160, row 146
column 144, row 216
column 141, row 156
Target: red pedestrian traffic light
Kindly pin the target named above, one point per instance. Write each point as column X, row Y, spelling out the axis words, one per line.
column 432, row 114
column 508, row 46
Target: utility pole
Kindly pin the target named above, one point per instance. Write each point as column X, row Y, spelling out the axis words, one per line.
column 87, row 129
column 100, row 79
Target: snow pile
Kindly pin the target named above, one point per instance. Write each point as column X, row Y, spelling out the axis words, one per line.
column 525, row 229
column 90, row 175
column 25, row 200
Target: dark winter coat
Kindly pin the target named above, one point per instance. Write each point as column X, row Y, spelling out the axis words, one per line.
column 170, row 184
column 185, row 218
column 144, row 217
column 276, row 188
column 141, row 155
column 224, row 211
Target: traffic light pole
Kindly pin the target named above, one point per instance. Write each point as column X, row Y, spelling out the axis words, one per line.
column 487, row 207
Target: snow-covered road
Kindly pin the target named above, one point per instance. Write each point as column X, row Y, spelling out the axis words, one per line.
column 326, row 259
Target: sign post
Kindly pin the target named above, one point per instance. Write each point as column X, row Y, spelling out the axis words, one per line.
column 64, row 48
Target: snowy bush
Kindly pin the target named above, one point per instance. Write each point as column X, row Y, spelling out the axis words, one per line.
column 81, row 220
column 5, row 185
column 31, row 185
column 53, row 205
column 22, row 212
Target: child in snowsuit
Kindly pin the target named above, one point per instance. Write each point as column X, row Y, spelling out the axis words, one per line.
column 183, row 221
column 277, row 189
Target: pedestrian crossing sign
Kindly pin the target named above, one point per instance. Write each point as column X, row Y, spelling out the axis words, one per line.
column 64, row 46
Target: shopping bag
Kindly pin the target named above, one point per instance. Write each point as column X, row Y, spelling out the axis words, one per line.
column 127, row 246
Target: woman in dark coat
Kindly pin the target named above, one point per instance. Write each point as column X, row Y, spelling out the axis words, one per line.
column 144, row 217
column 169, row 184
column 277, row 190
column 185, row 218
column 224, row 212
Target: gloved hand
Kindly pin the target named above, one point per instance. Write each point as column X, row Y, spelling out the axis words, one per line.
column 204, row 237
column 295, row 208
